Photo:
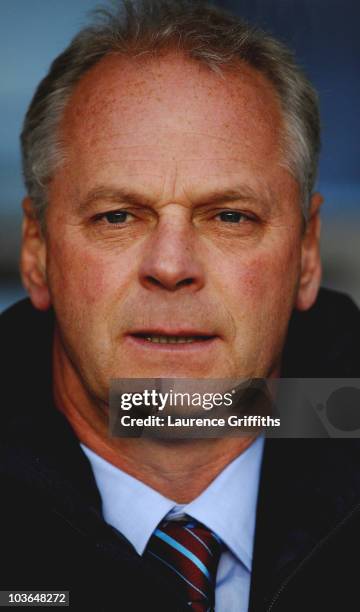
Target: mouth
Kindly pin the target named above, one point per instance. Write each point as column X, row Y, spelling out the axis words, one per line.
column 172, row 338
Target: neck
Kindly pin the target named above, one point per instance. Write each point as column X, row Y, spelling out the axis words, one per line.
column 178, row 469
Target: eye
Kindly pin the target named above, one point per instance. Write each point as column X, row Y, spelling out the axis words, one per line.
column 232, row 216
column 116, row 217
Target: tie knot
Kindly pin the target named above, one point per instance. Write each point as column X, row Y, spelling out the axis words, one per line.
column 190, row 552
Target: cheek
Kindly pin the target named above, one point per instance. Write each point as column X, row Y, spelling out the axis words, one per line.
column 263, row 279
column 81, row 279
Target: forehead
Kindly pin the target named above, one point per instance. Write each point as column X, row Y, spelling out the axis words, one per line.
column 173, row 108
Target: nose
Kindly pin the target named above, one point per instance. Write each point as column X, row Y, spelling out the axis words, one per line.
column 169, row 261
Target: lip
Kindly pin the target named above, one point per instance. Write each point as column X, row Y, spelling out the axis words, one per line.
column 174, row 331
column 138, row 339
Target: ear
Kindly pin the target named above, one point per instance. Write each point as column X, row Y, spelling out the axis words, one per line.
column 310, row 258
column 33, row 258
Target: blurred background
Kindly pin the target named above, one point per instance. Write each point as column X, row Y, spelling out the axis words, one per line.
column 324, row 36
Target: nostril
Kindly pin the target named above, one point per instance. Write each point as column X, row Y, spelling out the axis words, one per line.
column 172, row 286
column 183, row 283
column 154, row 281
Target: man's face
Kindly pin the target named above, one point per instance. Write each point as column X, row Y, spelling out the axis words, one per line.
column 174, row 230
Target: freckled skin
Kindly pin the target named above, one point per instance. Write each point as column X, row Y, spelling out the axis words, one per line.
column 174, row 132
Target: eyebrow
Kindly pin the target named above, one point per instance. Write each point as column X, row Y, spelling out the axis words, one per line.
column 135, row 198
column 127, row 196
column 219, row 196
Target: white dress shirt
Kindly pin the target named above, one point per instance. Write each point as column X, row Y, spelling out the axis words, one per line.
column 227, row 507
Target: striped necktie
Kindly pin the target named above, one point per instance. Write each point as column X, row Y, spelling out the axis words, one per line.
column 188, row 552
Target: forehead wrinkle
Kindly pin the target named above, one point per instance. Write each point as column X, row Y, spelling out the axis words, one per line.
column 169, row 183
column 161, row 150
column 193, row 135
column 189, row 190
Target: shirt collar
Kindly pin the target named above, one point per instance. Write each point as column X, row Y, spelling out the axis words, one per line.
column 128, row 504
column 227, row 506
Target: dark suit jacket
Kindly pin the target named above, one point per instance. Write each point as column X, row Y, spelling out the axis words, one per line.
column 53, row 536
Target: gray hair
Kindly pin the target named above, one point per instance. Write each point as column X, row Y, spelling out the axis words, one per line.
column 203, row 33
